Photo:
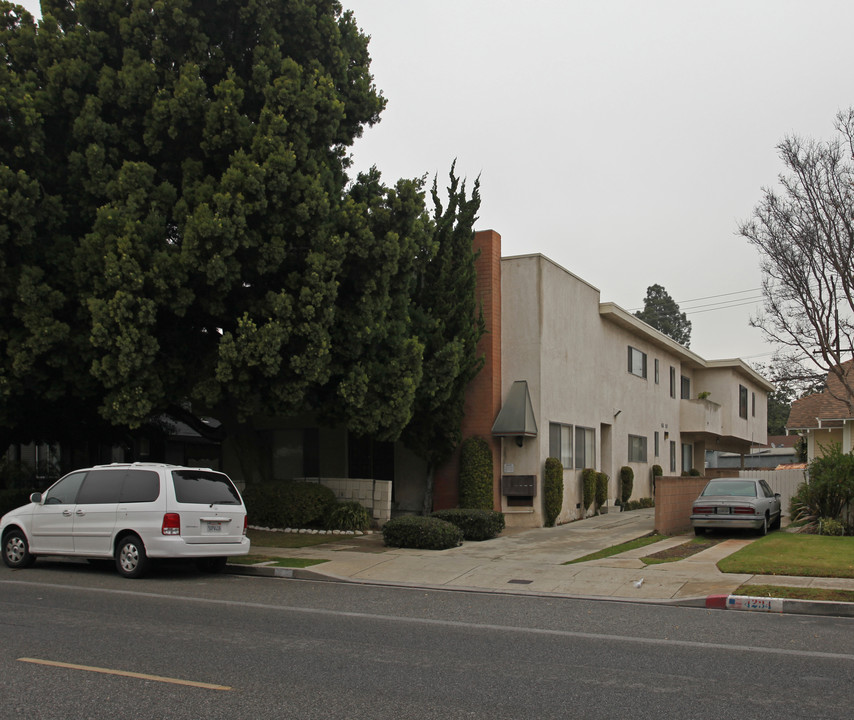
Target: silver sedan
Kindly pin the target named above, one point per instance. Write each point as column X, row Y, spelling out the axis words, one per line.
column 736, row 503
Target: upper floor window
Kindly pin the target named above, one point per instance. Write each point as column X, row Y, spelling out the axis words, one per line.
column 637, row 362
column 657, row 377
column 742, row 401
column 686, row 388
column 637, row 448
column 753, row 404
column 672, row 381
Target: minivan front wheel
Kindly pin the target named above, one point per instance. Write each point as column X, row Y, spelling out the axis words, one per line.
column 131, row 560
column 16, row 551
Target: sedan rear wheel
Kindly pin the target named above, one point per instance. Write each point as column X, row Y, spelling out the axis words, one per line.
column 764, row 529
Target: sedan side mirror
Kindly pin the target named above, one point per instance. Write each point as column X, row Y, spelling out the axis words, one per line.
column 36, row 497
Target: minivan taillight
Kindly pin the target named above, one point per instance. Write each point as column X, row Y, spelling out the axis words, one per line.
column 245, row 523
column 171, row 524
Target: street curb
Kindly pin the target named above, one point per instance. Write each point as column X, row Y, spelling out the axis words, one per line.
column 785, row 606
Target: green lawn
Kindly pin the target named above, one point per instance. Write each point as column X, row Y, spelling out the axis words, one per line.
column 617, row 549
column 796, row 593
column 782, row 553
column 265, row 538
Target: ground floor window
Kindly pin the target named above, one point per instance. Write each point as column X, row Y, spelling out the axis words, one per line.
column 637, row 448
column 585, row 447
column 560, row 443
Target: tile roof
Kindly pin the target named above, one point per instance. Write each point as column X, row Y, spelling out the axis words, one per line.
column 822, row 409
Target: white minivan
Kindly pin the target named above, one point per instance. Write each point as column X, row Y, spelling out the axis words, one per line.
column 131, row 513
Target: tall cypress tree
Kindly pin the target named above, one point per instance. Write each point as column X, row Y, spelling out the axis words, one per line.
column 449, row 323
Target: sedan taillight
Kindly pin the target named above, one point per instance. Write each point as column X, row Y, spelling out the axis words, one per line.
column 703, row 510
column 171, row 524
column 744, row 511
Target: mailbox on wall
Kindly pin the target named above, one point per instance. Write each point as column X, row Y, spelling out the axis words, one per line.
column 519, row 485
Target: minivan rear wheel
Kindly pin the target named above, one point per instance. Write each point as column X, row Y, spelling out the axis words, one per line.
column 131, row 560
column 16, row 551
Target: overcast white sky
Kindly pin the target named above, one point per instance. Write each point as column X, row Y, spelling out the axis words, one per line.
column 623, row 139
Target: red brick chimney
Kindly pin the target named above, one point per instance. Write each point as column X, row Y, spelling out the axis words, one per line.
column 483, row 397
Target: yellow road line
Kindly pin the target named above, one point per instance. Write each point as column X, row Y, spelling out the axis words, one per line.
column 125, row 673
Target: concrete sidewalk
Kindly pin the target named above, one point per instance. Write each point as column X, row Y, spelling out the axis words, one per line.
column 532, row 561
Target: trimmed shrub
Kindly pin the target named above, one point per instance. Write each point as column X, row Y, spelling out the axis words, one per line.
column 552, row 490
column 693, row 472
column 638, row 504
column 475, row 524
column 657, row 471
column 476, row 474
column 348, row 515
column 601, row 490
column 627, row 482
column 423, row 533
column 588, row 487
column 288, row 504
column 830, row 488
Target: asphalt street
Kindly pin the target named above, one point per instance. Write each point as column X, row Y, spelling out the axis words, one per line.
column 198, row 646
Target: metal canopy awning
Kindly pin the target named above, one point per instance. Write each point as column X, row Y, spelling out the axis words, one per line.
column 516, row 417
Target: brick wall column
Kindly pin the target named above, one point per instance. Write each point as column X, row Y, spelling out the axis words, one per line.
column 483, row 397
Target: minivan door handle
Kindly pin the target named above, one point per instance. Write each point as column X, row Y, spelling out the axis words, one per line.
column 80, row 512
column 67, row 513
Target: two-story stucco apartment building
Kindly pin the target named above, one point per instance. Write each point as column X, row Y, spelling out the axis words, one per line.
column 571, row 377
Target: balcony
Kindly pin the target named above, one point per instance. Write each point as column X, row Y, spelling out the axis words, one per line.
column 700, row 416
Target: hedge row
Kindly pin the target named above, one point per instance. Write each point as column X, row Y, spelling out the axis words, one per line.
column 422, row 533
column 475, row 524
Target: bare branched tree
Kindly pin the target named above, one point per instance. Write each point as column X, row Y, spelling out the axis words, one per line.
column 805, row 234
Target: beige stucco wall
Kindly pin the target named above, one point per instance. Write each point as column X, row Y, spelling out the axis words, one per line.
column 574, row 357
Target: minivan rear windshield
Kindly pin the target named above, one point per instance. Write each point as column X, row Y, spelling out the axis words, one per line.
column 204, row 486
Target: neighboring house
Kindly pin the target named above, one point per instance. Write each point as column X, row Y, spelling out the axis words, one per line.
column 825, row 418
column 587, row 382
column 780, row 450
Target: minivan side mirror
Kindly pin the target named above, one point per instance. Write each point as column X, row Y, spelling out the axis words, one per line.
column 36, row 497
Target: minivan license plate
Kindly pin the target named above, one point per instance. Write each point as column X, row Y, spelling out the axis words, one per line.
column 214, row 527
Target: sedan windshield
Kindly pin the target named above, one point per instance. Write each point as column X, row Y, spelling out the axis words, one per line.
column 739, row 488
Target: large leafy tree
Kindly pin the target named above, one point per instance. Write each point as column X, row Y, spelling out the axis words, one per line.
column 662, row 312
column 177, row 224
column 804, row 232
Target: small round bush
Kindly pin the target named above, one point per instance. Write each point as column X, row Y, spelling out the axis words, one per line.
column 348, row 515
column 475, row 524
column 553, row 490
column 476, row 474
column 422, row 533
column 657, row 471
column 830, row 526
